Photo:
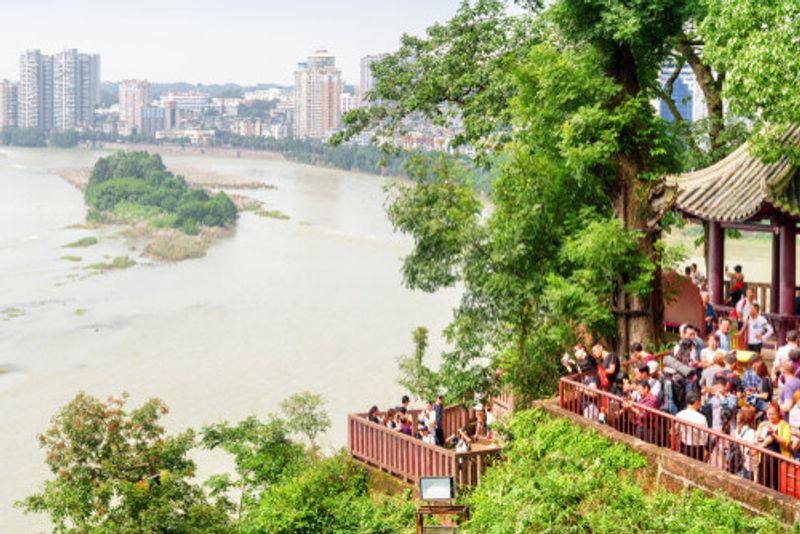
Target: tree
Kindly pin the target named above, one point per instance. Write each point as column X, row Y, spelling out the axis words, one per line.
column 263, row 455
column 305, row 416
column 116, row 471
column 415, row 376
column 557, row 102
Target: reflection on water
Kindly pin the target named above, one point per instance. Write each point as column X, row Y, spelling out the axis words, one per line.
column 314, row 303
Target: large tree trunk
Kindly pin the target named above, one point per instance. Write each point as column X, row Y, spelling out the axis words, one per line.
column 638, row 318
column 711, row 87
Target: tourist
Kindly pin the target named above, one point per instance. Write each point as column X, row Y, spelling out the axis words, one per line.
column 791, row 384
column 763, row 395
column 711, row 350
column 693, row 440
column 481, row 428
column 758, row 328
column 710, row 372
column 639, row 355
column 723, row 334
column 774, row 435
column 645, row 421
column 719, row 398
column 782, row 354
column 794, row 424
column 696, row 276
column 742, row 309
column 690, row 333
column 390, row 419
column 742, row 458
column 611, row 364
column 737, row 284
column 425, row 434
column 372, row 415
column 438, row 410
column 462, row 440
column 730, row 373
column 709, row 315
column 404, row 402
column 750, row 379
column 406, row 424
column 428, row 415
column 489, row 419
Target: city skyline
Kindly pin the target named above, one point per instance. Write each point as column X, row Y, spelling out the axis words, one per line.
column 246, row 42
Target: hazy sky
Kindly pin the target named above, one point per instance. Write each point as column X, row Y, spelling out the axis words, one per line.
column 244, row 41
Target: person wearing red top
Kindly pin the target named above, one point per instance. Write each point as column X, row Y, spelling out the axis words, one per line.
column 644, row 419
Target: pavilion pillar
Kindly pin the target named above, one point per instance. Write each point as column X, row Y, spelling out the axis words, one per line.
column 775, row 285
column 788, row 235
column 716, row 260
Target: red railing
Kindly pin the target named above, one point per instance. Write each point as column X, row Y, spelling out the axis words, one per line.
column 745, row 459
column 410, row 458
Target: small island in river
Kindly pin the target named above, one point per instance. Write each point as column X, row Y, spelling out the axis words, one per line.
column 178, row 221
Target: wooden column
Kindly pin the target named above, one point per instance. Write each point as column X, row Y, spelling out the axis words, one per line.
column 716, row 260
column 775, row 285
column 788, row 236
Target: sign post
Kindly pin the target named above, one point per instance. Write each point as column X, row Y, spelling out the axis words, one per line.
column 438, row 494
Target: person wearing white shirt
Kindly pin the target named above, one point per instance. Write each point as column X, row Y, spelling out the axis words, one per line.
column 693, row 441
column 782, row 354
column 743, row 306
column 758, row 328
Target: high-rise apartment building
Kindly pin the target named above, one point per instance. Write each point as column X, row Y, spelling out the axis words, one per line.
column 59, row 91
column 8, row 103
column 35, row 93
column 133, row 96
column 367, row 79
column 317, row 96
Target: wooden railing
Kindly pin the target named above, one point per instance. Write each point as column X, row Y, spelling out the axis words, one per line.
column 745, row 459
column 409, row 458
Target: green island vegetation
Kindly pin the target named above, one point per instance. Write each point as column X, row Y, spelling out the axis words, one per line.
column 135, row 189
column 6, row 314
column 82, row 242
column 120, row 262
column 272, row 214
column 115, row 470
column 137, row 185
column 71, row 258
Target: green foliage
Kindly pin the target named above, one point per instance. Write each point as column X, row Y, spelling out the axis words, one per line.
column 137, row 184
column 263, row 455
column 560, row 478
column 120, row 262
column 24, row 137
column 66, row 139
column 117, row 471
column 305, row 416
column 331, row 496
column 414, row 375
column 82, row 242
column 755, row 43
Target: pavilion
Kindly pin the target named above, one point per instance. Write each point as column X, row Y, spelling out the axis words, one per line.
column 741, row 192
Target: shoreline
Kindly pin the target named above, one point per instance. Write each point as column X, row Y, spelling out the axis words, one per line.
column 192, row 150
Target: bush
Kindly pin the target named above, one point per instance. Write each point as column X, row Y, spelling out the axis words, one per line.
column 560, row 478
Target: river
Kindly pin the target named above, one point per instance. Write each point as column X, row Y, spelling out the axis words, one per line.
column 313, row 303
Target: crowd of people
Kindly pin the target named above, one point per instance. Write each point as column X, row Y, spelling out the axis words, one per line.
column 427, row 424
column 707, row 386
